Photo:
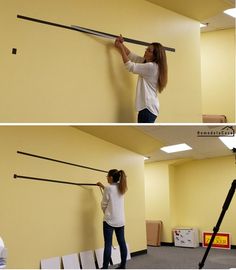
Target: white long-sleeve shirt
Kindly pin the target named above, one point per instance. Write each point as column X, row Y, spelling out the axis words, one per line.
column 146, row 90
column 113, row 206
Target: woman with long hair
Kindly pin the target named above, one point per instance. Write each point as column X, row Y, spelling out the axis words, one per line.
column 114, row 215
column 153, row 76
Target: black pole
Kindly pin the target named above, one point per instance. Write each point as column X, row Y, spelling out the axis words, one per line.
column 61, row 161
column 86, row 30
column 217, row 227
column 52, row 180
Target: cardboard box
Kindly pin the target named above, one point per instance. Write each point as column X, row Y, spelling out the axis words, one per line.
column 214, row 118
column 153, row 229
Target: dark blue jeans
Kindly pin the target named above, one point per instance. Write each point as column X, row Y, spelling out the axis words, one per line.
column 145, row 116
column 120, row 236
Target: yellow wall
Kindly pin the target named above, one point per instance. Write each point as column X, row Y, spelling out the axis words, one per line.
column 218, row 73
column 190, row 194
column 41, row 220
column 66, row 76
column 201, row 188
column 157, row 196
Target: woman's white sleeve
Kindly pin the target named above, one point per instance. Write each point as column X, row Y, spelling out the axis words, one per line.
column 141, row 69
column 135, row 58
column 105, row 199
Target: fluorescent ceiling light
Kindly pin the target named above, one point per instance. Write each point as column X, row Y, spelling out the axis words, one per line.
column 176, row 148
column 230, row 142
column 146, row 158
column 231, row 12
column 203, row 25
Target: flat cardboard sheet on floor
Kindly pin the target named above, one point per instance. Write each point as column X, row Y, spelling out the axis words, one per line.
column 87, row 259
column 71, row 261
column 51, row 263
column 99, row 256
column 115, row 254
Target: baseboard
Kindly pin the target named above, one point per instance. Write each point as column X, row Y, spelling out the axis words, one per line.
column 167, row 244
column 137, row 253
column 232, row 246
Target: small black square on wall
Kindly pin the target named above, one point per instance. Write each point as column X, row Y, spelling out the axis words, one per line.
column 14, row 51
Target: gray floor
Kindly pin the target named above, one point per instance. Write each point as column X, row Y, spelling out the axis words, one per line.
column 183, row 258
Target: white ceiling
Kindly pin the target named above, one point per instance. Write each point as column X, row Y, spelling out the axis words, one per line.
column 218, row 22
column 203, row 147
column 147, row 140
column 204, row 11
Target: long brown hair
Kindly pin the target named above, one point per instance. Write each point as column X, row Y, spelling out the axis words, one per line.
column 159, row 54
column 120, row 178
